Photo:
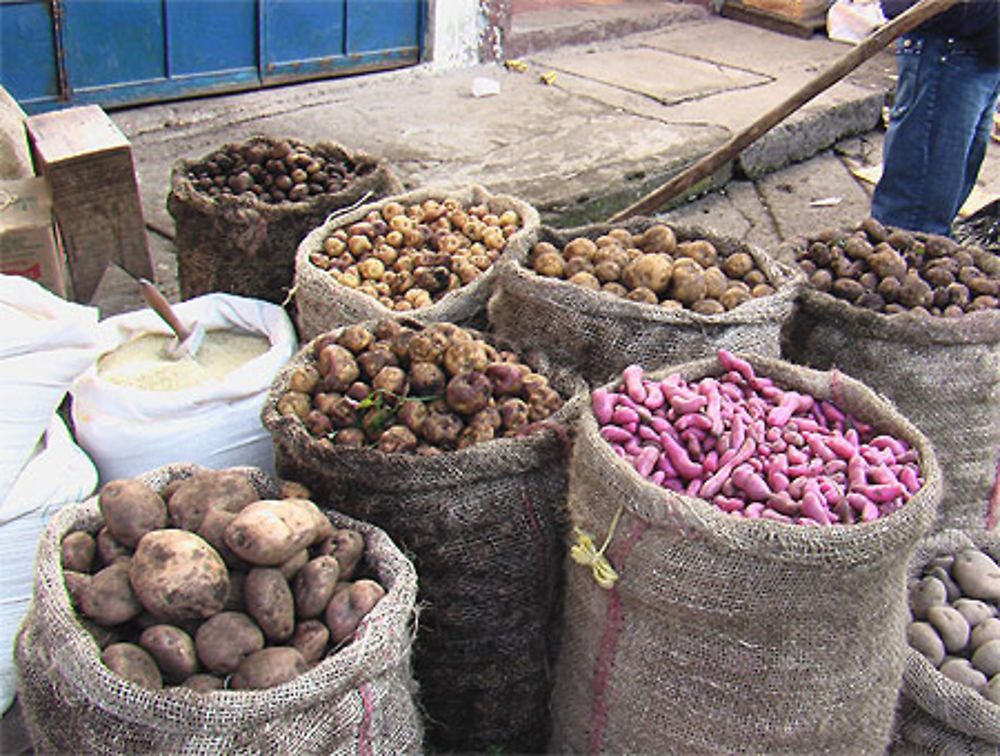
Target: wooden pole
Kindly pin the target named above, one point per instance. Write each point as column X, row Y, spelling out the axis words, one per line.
column 836, row 71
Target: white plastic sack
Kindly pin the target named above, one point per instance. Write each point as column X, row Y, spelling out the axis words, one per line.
column 58, row 473
column 852, row 20
column 45, row 344
column 128, row 431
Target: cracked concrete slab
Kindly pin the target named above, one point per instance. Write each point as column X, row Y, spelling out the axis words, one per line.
column 661, row 75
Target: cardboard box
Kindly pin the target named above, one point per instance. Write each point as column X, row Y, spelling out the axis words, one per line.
column 28, row 243
column 95, row 194
column 15, row 158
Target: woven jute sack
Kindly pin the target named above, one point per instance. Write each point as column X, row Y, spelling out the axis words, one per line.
column 358, row 700
column 937, row 714
column 485, row 526
column 942, row 373
column 727, row 634
column 323, row 304
column 597, row 334
column 244, row 246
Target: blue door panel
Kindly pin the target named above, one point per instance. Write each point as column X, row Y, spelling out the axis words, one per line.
column 55, row 53
column 111, row 43
column 302, row 30
column 28, row 51
column 216, row 36
column 382, row 25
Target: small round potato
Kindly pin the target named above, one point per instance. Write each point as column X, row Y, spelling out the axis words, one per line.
column 110, row 598
column 224, row 639
column 268, row 667
column 131, row 509
column 133, row 663
column 77, row 551
column 311, row 638
column 348, row 546
column 204, row 683
column 349, row 606
column 172, row 649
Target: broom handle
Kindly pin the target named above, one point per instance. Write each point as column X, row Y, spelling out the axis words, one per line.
column 877, row 40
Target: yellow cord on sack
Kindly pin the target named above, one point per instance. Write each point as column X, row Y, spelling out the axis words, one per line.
column 583, row 552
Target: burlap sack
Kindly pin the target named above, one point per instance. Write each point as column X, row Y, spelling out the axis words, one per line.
column 731, row 635
column 597, row 334
column 485, row 526
column 323, row 304
column 942, row 373
column 937, row 714
column 360, row 700
column 247, row 247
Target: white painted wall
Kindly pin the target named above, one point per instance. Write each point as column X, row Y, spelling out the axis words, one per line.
column 454, row 28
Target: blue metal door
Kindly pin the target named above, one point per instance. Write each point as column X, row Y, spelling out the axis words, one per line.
column 55, row 53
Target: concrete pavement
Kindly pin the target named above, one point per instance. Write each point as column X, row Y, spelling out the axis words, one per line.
column 618, row 119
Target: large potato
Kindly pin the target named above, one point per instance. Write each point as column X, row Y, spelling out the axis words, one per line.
column 177, row 575
column 268, row 667
column 270, row 531
column 77, row 551
column 131, row 509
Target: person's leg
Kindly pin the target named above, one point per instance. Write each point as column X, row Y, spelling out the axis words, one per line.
column 931, row 153
column 980, row 140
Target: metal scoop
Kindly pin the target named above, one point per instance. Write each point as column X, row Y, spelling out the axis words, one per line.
column 189, row 340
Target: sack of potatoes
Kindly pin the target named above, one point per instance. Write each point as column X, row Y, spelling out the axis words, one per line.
column 241, row 210
column 598, row 298
column 951, row 686
column 429, row 254
column 194, row 608
column 457, row 447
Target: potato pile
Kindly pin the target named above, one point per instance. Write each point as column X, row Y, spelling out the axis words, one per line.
column 283, row 171
column 893, row 271
column 424, row 391
column 409, row 256
column 209, row 587
column 954, row 606
column 654, row 268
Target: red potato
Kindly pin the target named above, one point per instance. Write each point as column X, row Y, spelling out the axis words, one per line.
column 348, row 608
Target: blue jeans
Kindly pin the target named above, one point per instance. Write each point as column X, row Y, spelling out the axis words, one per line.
column 938, row 131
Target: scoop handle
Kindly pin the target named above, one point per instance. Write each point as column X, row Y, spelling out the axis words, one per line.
column 159, row 304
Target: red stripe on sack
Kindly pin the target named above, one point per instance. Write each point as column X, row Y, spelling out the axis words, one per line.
column 613, row 624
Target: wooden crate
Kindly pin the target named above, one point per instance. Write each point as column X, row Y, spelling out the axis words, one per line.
column 95, row 194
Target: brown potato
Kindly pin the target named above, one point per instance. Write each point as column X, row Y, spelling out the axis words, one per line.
column 311, row 638
column 224, row 639
column 77, row 584
column 133, row 663
column 270, row 603
column 131, row 509
column 658, row 238
column 349, row 606
column 268, row 667
column 348, row 547
column 177, row 575
column 270, row 531
column 225, row 490
column 701, row 251
column 109, row 549
column 651, row 271
column 688, row 284
column 204, row 683
column 77, row 551
column 110, row 599
column 290, row 567
column 172, row 649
